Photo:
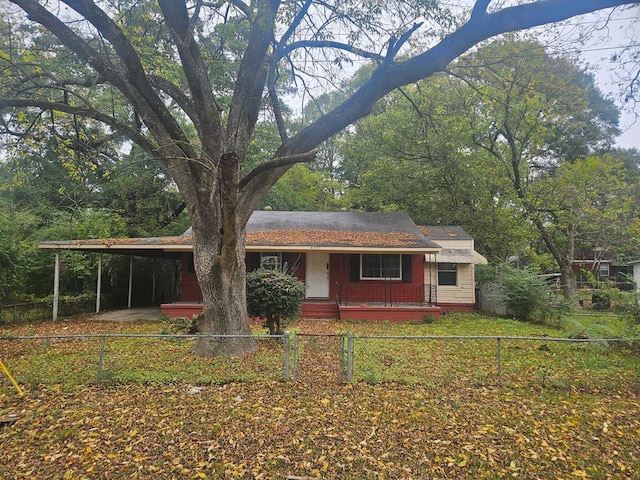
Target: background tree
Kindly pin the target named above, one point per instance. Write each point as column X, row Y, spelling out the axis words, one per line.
column 143, row 196
column 194, row 108
column 533, row 113
column 415, row 153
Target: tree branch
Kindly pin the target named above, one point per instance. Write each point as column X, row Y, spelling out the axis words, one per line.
column 42, row 104
column 177, row 19
column 294, row 24
column 251, row 79
column 178, row 96
column 277, row 162
column 152, row 107
column 134, row 86
column 386, row 79
column 479, row 9
column 330, row 44
column 396, row 45
column 275, row 104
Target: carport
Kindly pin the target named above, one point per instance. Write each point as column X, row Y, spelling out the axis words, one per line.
column 165, row 248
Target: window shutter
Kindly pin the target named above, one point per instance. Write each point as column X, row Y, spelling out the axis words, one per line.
column 406, row 268
column 286, row 261
column 254, row 261
column 355, row 267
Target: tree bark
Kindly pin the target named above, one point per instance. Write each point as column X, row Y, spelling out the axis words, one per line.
column 568, row 282
column 218, row 221
column 221, row 275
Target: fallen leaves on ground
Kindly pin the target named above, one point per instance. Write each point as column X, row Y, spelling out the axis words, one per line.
column 318, row 428
column 276, row 429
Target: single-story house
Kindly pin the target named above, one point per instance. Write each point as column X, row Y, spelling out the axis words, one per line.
column 604, row 267
column 355, row 265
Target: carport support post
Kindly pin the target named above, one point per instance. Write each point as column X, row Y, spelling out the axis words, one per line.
column 56, row 286
column 153, row 281
column 99, row 286
column 130, row 281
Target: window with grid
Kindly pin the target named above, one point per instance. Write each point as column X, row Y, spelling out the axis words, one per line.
column 448, row 274
column 380, row 266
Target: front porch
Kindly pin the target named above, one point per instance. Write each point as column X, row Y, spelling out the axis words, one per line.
column 316, row 310
column 393, row 302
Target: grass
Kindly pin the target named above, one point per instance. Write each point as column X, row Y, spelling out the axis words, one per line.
column 431, row 362
column 134, row 360
column 543, row 362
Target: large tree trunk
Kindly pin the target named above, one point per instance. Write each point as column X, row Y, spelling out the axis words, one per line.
column 219, row 226
column 220, row 266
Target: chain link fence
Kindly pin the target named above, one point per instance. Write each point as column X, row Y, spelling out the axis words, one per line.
column 432, row 360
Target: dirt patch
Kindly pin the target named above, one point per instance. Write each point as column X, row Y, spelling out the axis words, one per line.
column 130, row 314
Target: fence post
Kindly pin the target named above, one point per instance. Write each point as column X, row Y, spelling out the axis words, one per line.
column 499, row 362
column 343, row 375
column 295, row 356
column 285, row 349
column 349, row 357
column 103, row 340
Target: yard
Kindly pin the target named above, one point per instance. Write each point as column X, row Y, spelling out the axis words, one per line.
column 417, row 408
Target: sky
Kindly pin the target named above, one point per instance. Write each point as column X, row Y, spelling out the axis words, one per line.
column 621, row 29
column 610, row 30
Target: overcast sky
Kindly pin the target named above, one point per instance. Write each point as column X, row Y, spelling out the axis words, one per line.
column 622, row 29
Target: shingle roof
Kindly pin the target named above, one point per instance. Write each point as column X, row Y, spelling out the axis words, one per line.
column 335, row 229
column 326, row 230
column 444, row 232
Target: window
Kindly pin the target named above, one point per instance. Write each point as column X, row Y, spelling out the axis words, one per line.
column 448, row 274
column 379, row 266
column 604, row 269
column 271, row 261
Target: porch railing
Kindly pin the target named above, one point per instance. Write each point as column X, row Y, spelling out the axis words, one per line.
column 387, row 294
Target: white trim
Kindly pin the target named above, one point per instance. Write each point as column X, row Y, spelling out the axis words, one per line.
column 123, row 247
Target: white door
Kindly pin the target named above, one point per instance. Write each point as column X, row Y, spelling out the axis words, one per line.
column 317, row 275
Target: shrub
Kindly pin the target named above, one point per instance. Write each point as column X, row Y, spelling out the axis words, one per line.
column 525, row 293
column 273, row 295
column 30, row 309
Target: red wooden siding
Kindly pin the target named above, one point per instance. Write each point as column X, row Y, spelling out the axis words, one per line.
column 374, row 291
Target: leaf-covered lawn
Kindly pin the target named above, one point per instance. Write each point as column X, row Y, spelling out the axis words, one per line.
column 276, row 430
column 446, row 420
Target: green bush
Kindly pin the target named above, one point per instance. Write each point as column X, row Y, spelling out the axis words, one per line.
column 273, row 295
column 34, row 309
column 524, row 292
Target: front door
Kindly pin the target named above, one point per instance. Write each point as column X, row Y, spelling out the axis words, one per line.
column 317, row 275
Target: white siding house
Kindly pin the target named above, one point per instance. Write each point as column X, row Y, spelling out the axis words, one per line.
column 453, row 268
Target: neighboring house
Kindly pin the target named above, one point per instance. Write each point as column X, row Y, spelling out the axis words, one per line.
column 603, row 267
column 454, row 267
column 355, row 265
